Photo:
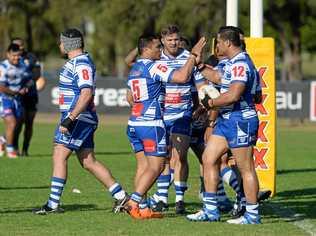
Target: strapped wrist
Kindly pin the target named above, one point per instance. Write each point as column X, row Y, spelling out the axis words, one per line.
column 211, row 123
column 201, row 66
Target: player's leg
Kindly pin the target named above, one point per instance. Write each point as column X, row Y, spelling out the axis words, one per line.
column 28, row 130
column 88, row 161
column 159, row 200
column 180, row 145
column 19, row 113
column 10, row 113
column 10, row 125
column 245, row 136
column 231, row 175
column 250, row 183
column 17, row 132
column 58, row 180
column 155, row 150
column 216, row 146
column 198, row 150
column 141, row 166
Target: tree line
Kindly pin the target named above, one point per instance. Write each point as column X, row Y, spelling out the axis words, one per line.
column 112, row 27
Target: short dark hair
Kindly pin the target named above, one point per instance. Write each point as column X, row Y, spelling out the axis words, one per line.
column 169, row 29
column 144, row 41
column 230, row 27
column 230, row 34
column 13, row 48
column 72, row 33
column 240, row 31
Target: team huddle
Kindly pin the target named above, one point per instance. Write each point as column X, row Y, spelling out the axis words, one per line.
column 178, row 102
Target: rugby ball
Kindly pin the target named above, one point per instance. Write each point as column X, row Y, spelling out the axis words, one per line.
column 40, row 84
column 210, row 90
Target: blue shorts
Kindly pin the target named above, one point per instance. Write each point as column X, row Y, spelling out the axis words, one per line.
column 10, row 107
column 237, row 131
column 81, row 136
column 148, row 138
column 179, row 126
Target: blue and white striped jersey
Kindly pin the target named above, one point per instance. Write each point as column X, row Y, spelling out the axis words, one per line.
column 178, row 98
column 240, row 69
column 76, row 74
column 145, row 80
column 12, row 76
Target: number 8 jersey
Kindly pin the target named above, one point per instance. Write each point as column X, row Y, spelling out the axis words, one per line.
column 145, row 81
column 76, row 74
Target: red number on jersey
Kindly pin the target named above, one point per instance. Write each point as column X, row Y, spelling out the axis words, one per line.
column 135, row 89
column 85, row 74
column 163, row 68
column 239, row 71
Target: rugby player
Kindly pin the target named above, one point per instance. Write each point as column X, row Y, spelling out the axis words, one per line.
column 177, row 116
column 146, row 129
column 236, row 129
column 13, row 74
column 78, row 123
column 30, row 99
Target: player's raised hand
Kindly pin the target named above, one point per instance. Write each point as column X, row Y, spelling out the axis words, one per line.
column 198, row 49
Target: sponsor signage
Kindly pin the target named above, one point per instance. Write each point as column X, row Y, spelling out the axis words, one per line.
column 261, row 51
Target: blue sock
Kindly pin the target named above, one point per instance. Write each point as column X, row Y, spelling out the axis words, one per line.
column 9, row 148
column 163, row 184
column 143, row 203
column 221, row 194
column 210, row 202
column 252, row 210
column 180, row 188
column 229, row 177
column 56, row 189
column 136, row 197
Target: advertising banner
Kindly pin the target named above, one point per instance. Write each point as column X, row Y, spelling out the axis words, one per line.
column 261, row 51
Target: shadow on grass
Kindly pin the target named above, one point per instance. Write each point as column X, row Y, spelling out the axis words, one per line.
column 306, row 170
column 293, row 205
column 67, row 208
column 24, row 187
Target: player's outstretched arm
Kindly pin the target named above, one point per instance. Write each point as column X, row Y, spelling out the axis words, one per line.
column 131, row 57
column 183, row 74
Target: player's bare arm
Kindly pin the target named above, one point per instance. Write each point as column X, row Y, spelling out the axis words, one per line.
column 131, row 57
column 129, row 97
column 183, row 74
column 211, row 75
column 232, row 95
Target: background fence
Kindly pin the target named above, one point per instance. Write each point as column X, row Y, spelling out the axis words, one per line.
column 293, row 100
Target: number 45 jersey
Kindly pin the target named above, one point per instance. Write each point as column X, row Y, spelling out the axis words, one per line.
column 145, row 82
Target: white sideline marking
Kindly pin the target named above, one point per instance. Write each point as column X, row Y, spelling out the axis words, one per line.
column 296, row 219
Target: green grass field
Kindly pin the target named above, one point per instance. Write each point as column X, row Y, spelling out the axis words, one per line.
column 24, row 184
